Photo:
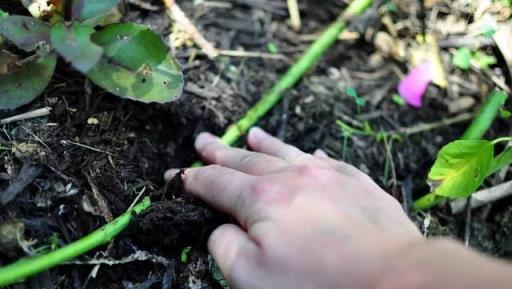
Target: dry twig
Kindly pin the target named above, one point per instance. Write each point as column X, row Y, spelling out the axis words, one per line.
column 483, row 197
column 181, row 19
column 28, row 115
column 293, row 9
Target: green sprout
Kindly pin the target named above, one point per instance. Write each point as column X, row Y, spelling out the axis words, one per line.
column 185, row 254
column 126, row 59
column 463, row 165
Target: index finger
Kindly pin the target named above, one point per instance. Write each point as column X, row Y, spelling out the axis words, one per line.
column 223, row 188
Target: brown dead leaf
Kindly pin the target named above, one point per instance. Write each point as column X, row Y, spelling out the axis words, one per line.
column 427, row 50
column 7, row 62
column 451, row 25
column 461, row 104
column 389, row 46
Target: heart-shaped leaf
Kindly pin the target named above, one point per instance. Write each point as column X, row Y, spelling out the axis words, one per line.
column 461, row 167
column 75, row 45
column 24, row 31
column 136, row 64
column 24, row 84
column 82, row 10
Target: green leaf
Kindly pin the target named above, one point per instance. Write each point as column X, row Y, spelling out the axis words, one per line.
column 272, row 47
column 484, row 60
column 75, row 45
column 461, row 167
column 24, row 84
column 500, row 161
column 136, row 64
column 462, row 58
column 398, row 99
column 3, row 14
column 25, row 32
column 505, row 113
column 82, row 10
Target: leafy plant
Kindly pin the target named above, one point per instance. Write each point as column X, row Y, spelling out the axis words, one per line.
column 126, row 59
column 462, row 166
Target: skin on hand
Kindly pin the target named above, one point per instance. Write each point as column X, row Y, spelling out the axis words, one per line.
column 306, row 221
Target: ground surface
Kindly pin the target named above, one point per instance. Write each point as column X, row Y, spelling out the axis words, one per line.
column 90, row 172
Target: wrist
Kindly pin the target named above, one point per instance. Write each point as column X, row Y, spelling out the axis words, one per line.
column 442, row 264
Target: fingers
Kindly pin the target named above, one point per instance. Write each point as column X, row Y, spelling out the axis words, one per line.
column 226, row 189
column 212, row 150
column 319, row 153
column 234, row 252
column 262, row 142
column 340, row 166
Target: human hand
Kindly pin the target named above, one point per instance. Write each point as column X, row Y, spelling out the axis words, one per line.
column 305, row 221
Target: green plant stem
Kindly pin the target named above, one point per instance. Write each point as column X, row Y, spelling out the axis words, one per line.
column 502, row 139
column 27, row 267
column 294, row 73
column 501, row 161
column 475, row 131
column 486, row 117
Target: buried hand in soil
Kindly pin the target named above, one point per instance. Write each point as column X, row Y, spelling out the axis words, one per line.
column 309, row 221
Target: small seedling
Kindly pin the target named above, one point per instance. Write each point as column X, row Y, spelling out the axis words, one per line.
column 352, row 93
column 272, row 48
column 462, row 166
column 126, row 59
column 185, row 254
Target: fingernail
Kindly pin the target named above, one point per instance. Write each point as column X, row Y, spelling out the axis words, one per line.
column 170, row 174
column 203, row 139
column 320, row 154
column 256, row 134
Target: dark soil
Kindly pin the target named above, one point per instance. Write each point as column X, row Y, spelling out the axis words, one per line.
column 91, row 172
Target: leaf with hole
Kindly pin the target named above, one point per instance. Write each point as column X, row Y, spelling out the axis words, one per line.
column 461, row 167
column 24, row 84
column 24, row 31
column 82, row 10
column 136, row 64
column 75, row 45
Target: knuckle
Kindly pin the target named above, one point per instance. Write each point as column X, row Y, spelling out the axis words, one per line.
column 249, row 158
column 205, row 171
column 262, row 190
column 312, row 171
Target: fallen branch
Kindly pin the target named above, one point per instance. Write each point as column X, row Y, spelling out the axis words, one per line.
column 181, row 19
column 27, row 267
column 24, row 178
column 483, row 197
column 27, row 115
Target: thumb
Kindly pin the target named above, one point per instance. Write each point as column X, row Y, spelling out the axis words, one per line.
column 235, row 254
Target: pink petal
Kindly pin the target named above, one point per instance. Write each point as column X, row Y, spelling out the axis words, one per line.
column 415, row 84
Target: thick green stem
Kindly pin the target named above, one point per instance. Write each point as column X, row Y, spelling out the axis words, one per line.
column 27, row 267
column 294, row 74
column 475, row 131
column 486, row 117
